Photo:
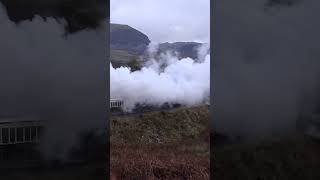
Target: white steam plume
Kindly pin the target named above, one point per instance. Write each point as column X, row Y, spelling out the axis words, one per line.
column 52, row 77
column 182, row 81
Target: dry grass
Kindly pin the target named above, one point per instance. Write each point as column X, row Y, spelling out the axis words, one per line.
column 158, row 162
column 173, row 126
column 161, row 145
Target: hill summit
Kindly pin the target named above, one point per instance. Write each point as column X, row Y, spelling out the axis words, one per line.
column 128, row 47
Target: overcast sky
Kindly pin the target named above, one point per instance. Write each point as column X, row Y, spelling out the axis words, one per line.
column 165, row 20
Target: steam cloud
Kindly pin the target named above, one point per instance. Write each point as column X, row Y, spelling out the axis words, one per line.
column 60, row 79
column 266, row 66
column 163, row 80
column 78, row 14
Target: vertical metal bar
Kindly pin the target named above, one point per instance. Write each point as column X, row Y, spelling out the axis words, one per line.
column 9, row 135
column 1, row 136
column 15, row 139
column 30, row 140
column 24, row 134
column 36, row 137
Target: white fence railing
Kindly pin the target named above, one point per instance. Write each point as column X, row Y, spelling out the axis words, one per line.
column 116, row 103
column 19, row 132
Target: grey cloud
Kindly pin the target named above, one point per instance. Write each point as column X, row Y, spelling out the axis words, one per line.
column 167, row 20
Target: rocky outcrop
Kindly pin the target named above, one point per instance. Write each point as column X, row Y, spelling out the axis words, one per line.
column 126, row 38
column 184, row 49
column 126, row 41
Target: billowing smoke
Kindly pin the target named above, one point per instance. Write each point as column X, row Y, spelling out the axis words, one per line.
column 266, row 65
column 78, row 14
column 49, row 76
column 165, row 79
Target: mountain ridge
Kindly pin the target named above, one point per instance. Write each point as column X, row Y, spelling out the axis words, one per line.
column 128, row 47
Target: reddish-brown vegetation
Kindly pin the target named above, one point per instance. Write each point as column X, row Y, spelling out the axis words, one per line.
column 161, row 145
column 157, row 162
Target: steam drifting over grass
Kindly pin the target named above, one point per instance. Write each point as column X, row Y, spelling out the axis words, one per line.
column 163, row 79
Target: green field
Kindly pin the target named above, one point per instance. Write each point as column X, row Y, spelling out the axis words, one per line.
column 120, row 58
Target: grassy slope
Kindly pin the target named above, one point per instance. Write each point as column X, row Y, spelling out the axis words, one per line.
column 161, row 127
column 123, row 58
column 168, row 144
column 120, row 57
